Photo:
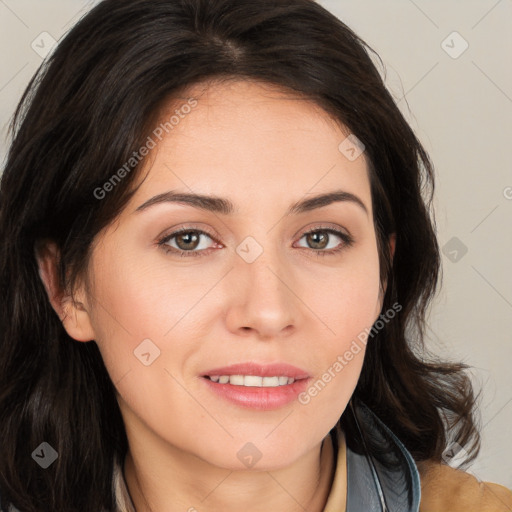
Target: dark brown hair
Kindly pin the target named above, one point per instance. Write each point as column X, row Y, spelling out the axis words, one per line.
column 84, row 113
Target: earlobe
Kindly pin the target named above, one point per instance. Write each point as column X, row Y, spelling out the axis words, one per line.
column 72, row 313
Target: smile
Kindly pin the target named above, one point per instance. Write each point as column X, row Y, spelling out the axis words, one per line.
column 252, row 380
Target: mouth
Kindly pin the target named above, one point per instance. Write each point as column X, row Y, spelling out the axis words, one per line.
column 258, row 386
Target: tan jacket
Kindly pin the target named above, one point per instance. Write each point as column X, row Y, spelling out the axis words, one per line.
column 445, row 489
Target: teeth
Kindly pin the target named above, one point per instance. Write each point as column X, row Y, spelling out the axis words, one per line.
column 248, row 380
column 237, row 380
column 252, row 380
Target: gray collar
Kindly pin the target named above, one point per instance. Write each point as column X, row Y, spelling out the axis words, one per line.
column 381, row 473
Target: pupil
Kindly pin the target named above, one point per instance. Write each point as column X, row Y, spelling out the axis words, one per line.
column 188, row 235
column 319, row 235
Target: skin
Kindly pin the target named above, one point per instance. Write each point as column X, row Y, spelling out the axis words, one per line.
column 263, row 150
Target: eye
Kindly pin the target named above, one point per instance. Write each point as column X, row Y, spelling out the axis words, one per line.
column 186, row 242
column 319, row 239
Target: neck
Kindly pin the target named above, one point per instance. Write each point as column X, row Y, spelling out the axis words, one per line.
column 196, row 486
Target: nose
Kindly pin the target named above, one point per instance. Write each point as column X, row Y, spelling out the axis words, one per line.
column 263, row 298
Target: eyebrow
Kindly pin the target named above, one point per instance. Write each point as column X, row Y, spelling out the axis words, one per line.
column 224, row 206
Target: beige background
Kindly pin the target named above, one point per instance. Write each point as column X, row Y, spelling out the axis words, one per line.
column 460, row 105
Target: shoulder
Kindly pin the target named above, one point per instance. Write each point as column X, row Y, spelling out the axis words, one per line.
column 445, row 488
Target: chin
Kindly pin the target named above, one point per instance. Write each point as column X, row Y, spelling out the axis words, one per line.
column 258, row 455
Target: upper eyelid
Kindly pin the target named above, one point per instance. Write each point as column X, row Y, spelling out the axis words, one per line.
column 179, row 231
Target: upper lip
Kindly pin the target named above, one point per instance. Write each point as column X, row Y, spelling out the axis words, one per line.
column 261, row 370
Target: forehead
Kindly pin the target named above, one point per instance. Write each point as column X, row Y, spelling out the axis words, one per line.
column 248, row 139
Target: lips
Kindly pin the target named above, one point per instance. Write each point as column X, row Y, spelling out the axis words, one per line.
column 256, row 397
column 261, row 370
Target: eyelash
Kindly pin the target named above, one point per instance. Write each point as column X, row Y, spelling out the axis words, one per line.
column 348, row 241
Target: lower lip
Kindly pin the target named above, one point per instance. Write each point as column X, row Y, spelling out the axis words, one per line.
column 260, row 398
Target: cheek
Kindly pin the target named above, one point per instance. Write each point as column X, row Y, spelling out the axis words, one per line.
column 348, row 308
column 350, row 300
column 146, row 316
column 144, row 296
column 128, row 310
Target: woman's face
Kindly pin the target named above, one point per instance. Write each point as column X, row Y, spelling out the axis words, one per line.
column 250, row 285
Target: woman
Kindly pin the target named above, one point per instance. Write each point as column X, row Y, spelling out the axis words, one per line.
column 216, row 266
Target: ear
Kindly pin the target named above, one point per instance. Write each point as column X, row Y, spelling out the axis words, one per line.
column 72, row 311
